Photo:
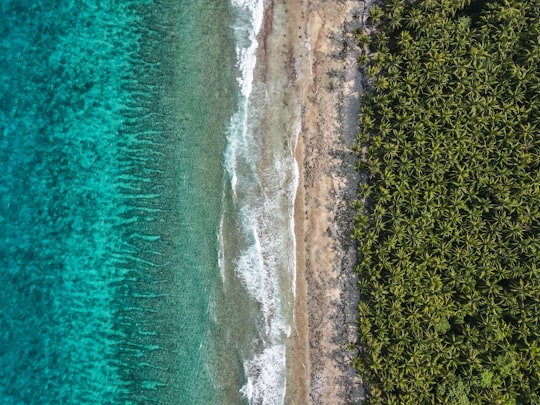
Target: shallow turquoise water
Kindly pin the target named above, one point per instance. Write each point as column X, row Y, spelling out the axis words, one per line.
column 113, row 117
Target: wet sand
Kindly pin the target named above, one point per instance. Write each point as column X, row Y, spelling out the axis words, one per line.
column 308, row 56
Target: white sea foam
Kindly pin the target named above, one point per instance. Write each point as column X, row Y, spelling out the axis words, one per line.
column 221, row 249
column 266, row 268
column 265, row 376
column 246, row 55
column 250, row 16
column 259, row 266
column 263, row 190
column 292, row 193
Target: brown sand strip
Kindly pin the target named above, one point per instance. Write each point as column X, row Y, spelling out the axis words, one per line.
column 326, row 285
column 312, row 76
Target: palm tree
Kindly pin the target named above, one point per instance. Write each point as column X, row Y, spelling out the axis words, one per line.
column 375, row 15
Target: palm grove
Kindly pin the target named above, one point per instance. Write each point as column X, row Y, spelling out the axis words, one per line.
column 448, row 215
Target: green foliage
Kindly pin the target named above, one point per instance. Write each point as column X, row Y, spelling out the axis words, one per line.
column 375, row 14
column 448, row 221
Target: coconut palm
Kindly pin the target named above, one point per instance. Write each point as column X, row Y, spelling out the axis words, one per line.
column 448, row 239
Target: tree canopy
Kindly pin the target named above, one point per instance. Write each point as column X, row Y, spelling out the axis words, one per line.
column 448, row 212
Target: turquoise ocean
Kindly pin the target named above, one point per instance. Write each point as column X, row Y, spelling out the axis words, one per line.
column 146, row 246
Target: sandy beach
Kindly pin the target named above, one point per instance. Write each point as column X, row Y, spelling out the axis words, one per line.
column 327, row 296
column 325, row 82
column 307, row 58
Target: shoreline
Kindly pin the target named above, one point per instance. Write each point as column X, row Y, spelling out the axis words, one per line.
column 319, row 367
column 310, row 74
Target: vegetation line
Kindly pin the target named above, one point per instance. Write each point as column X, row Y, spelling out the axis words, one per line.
column 448, row 216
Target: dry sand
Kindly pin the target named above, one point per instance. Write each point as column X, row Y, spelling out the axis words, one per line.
column 319, row 365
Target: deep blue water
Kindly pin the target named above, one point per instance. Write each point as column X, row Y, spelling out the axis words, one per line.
column 113, row 116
